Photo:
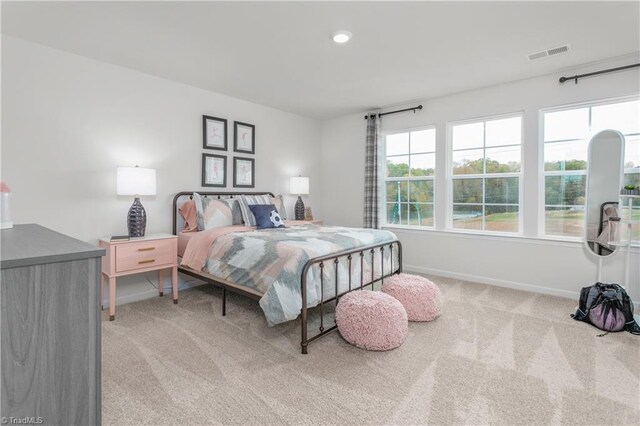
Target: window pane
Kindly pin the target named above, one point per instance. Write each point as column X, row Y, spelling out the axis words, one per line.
column 564, row 221
column 632, row 152
column 397, row 213
column 623, row 117
column 467, row 190
column 468, row 136
column 421, row 191
column 398, row 144
column 423, row 164
column 632, row 179
column 467, row 217
column 502, row 190
column 503, row 160
column 423, row 141
column 634, row 214
column 501, row 218
column 565, row 190
column 397, row 189
column 398, row 166
column 468, row 162
column 421, row 214
column 570, row 124
column 507, row 131
column 565, row 155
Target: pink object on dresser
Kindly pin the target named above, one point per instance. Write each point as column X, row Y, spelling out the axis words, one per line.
column 150, row 253
column 371, row 320
column 420, row 297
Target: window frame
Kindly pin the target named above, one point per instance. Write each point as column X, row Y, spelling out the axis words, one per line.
column 542, row 173
column 383, row 179
column 450, row 176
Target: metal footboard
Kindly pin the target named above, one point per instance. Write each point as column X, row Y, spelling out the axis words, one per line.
column 375, row 251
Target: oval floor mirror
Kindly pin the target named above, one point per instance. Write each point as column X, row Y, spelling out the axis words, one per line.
column 605, row 176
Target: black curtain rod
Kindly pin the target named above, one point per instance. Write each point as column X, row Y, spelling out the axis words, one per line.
column 394, row 112
column 576, row 77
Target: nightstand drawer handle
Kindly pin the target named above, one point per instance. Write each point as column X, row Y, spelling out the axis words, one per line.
column 146, row 249
column 146, row 261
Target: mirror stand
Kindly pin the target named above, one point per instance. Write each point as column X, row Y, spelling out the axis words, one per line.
column 605, row 177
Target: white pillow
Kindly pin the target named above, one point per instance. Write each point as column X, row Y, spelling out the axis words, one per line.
column 278, row 201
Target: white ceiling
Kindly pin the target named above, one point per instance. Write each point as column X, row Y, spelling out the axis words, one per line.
column 281, row 54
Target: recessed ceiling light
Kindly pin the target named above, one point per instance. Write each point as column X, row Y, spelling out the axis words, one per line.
column 342, row 37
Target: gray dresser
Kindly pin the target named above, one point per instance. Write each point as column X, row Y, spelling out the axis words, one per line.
column 50, row 303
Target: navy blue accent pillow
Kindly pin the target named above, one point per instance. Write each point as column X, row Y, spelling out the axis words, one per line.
column 266, row 216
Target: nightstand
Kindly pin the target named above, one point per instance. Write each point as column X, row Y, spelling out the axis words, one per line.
column 155, row 252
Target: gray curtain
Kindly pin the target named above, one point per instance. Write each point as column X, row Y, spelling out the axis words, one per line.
column 371, row 190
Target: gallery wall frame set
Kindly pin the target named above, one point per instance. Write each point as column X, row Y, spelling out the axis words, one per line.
column 214, row 167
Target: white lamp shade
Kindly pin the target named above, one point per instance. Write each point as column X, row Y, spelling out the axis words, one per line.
column 136, row 181
column 299, row 185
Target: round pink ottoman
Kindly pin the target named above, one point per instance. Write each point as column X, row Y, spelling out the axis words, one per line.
column 420, row 297
column 371, row 320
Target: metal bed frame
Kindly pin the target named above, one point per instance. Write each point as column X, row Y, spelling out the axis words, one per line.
column 350, row 256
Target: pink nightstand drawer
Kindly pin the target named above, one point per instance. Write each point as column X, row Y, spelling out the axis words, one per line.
column 138, row 262
column 144, row 249
column 144, row 254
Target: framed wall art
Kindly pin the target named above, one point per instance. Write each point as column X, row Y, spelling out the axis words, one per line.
column 214, row 170
column 244, row 137
column 214, row 133
column 243, row 172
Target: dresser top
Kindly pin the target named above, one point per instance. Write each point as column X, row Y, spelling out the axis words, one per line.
column 26, row 245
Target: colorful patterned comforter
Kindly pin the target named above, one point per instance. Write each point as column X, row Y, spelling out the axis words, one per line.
column 271, row 262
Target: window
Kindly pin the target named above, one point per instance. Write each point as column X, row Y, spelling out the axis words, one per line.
column 485, row 174
column 409, row 177
column 566, row 138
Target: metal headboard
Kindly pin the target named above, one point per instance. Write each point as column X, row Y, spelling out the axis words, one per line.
column 182, row 197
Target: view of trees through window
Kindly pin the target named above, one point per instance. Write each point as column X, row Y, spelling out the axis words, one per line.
column 410, row 171
column 566, row 137
column 486, row 157
column 485, row 169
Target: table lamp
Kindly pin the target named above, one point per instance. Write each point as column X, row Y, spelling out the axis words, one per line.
column 136, row 181
column 299, row 185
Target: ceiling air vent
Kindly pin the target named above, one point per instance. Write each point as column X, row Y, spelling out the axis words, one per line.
column 550, row 52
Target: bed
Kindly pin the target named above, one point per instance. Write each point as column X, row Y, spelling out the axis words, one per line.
column 289, row 271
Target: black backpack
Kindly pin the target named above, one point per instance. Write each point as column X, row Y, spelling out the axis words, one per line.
column 607, row 307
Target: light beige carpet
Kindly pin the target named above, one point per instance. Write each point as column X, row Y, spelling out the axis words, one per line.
column 496, row 356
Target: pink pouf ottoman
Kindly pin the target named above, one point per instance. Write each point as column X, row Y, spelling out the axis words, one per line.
column 420, row 297
column 371, row 320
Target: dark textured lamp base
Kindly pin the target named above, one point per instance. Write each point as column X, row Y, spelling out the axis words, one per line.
column 299, row 209
column 136, row 219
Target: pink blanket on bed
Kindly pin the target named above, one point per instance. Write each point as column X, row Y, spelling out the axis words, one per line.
column 195, row 255
column 197, row 251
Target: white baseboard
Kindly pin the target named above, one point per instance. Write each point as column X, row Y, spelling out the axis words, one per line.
column 575, row 295
column 492, row 281
column 148, row 290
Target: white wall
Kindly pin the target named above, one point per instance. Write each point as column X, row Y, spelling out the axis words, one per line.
column 526, row 262
column 69, row 121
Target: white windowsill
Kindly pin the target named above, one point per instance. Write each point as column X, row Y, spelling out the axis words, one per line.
column 496, row 236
